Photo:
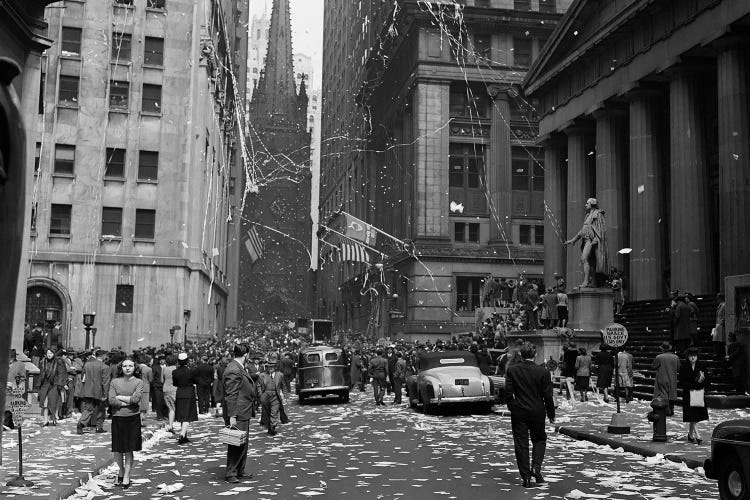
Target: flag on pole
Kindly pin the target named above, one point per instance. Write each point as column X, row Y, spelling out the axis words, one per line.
column 354, row 252
column 359, row 230
column 254, row 244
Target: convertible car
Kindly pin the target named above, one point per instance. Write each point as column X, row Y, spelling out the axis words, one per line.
column 449, row 378
column 730, row 459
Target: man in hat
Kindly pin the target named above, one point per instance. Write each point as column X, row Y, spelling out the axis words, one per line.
column 239, row 394
column 681, row 324
column 666, row 365
column 593, row 243
column 273, row 397
column 378, row 370
column 94, row 392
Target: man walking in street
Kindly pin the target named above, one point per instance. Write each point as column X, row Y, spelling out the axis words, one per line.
column 239, row 393
column 666, row 365
column 94, row 392
column 273, row 397
column 529, row 391
column 399, row 374
column 204, row 378
column 378, row 370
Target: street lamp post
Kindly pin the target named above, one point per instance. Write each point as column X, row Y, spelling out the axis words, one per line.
column 186, row 317
column 93, row 336
column 50, row 316
column 88, row 321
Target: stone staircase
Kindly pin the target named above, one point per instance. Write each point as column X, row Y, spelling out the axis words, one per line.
column 649, row 325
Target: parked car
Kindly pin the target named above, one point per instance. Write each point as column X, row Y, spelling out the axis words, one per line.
column 449, row 378
column 322, row 371
column 730, row 459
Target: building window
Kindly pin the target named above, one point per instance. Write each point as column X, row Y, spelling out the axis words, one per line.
column 153, row 51
column 145, row 220
column 122, row 47
column 68, row 92
column 466, row 178
column 482, row 46
column 40, row 104
column 468, row 101
column 115, row 166
column 466, row 232
column 482, row 3
column 547, row 6
column 59, row 224
column 527, row 182
column 124, row 299
column 33, row 218
column 148, row 165
column 37, row 157
column 524, row 235
column 539, row 235
column 65, row 159
column 522, row 4
column 156, row 4
column 111, row 221
column 522, row 52
column 151, row 102
column 468, row 292
column 71, row 42
column 124, row 2
column 119, row 94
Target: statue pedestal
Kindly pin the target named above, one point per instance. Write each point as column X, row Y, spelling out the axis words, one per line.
column 549, row 342
column 590, row 309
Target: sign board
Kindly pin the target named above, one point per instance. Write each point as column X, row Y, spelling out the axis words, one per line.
column 17, row 405
column 615, row 335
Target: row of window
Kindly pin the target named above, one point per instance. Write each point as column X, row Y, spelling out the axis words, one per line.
column 482, row 48
column 119, row 95
column 60, row 221
column 468, row 232
column 65, row 158
column 150, row 4
column 121, row 48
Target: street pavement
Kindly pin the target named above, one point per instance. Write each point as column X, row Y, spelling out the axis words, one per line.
column 335, row 450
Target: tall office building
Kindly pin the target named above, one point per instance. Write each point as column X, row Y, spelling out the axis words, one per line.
column 275, row 278
column 137, row 171
column 427, row 137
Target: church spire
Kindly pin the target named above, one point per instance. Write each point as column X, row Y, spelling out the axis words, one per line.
column 277, row 97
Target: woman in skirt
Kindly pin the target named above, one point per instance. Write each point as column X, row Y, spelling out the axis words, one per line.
column 583, row 373
column 52, row 379
column 693, row 377
column 186, row 406
column 125, row 393
column 605, row 361
column 169, row 390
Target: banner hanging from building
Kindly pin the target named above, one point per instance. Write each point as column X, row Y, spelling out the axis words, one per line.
column 354, row 252
column 254, row 244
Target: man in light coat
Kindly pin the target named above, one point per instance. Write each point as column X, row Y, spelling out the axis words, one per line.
column 94, row 392
column 273, row 397
column 666, row 365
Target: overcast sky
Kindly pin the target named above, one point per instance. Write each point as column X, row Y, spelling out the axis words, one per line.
column 307, row 28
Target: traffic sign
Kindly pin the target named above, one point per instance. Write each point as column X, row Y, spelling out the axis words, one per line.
column 615, row 335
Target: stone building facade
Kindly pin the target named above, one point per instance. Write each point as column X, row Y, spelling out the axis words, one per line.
column 645, row 106
column 433, row 144
column 278, row 285
column 137, row 156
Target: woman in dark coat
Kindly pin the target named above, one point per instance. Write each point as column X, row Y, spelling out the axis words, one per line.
column 693, row 376
column 53, row 375
column 605, row 362
column 186, row 405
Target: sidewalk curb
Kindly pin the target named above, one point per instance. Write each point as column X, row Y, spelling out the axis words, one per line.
column 70, row 490
column 629, row 447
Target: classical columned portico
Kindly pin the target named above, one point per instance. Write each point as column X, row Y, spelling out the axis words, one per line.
column 580, row 188
column 499, row 171
column 555, row 226
column 647, row 223
column 611, row 179
column 734, row 158
column 690, row 248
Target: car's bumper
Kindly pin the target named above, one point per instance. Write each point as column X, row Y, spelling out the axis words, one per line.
column 461, row 399
column 323, row 390
column 709, row 469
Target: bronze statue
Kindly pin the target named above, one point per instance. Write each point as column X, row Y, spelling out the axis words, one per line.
column 593, row 243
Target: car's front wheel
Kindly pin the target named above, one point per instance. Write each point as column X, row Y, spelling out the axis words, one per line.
column 733, row 480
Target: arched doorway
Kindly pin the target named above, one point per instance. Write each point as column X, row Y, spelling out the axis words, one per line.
column 47, row 315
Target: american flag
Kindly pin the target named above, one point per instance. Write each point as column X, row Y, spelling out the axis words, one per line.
column 254, row 244
column 354, row 252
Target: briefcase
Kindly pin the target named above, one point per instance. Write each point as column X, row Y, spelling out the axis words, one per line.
column 232, row 436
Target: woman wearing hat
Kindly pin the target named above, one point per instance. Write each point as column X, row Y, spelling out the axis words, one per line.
column 694, row 382
column 185, row 405
column 52, row 379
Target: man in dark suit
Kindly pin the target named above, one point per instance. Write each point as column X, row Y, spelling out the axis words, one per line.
column 273, row 397
column 239, row 393
column 528, row 389
column 204, row 379
column 94, row 392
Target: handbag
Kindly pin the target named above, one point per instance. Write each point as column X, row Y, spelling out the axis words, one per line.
column 232, row 436
column 696, row 398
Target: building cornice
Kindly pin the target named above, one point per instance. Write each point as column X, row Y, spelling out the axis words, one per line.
column 25, row 19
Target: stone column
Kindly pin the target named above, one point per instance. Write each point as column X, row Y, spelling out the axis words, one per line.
column 646, row 197
column 580, row 188
column 499, row 168
column 734, row 161
column 555, row 199
column 611, row 179
column 690, row 252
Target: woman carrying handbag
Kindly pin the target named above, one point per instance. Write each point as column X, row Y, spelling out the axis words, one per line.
column 694, row 382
